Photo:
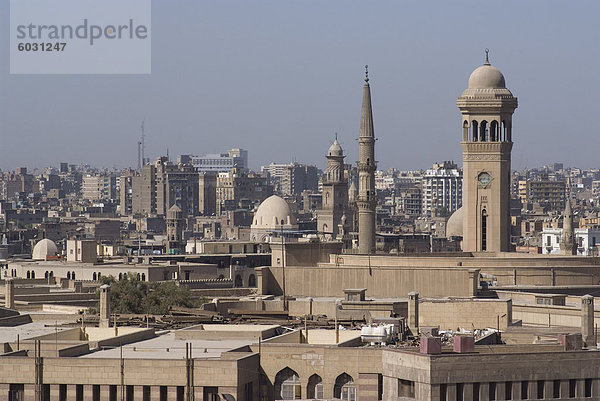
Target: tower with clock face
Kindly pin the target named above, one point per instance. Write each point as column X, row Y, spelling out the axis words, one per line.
column 487, row 107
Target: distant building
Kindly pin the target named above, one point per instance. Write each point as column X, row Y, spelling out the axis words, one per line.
column 239, row 189
column 162, row 185
column 99, row 186
column 442, row 189
column 219, row 162
column 292, row 178
column 550, row 194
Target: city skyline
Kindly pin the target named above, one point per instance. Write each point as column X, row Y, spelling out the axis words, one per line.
column 287, row 75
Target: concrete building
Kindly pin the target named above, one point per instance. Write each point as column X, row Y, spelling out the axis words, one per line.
column 293, row 178
column 442, row 189
column 162, row 185
column 238, row 189
column 218, row 163
column 549, row 194
column 99, row 187
column 367, row 198
column 486, row 107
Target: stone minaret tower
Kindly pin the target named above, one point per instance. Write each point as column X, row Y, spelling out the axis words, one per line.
column 335, row 193
column 487, row 107
column 174, row 230
column 367, row 199
column 567, row 242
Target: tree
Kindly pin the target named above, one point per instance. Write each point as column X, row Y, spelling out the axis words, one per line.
column 131, row 295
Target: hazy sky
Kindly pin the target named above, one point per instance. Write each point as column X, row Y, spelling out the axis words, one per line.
column 280, row 77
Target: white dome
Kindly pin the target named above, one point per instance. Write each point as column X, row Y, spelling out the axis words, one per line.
column 454, row 226
column 43, row 249
column 273, row 212
column 486, row 77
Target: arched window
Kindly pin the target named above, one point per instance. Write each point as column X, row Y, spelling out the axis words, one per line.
column 252, row 281
column 474, row 131
column 28, row 274
column 94, row 276
column 68, row 275
column 345, row 388
column 46, row 274
column 238, row 281
column 466, row 131
column 138, row 276
column 52, row 273
column 483, row 131
column 315, row 387
column 32, row 274
column 72, row 275
column 98, row 275
column 494, row 131
column 143, row 276
column 120, row 276
column 287, row 385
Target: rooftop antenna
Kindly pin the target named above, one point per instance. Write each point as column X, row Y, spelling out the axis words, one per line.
column 143, row 145
column 139, row 146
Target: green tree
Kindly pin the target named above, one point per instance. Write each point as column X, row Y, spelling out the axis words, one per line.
column 131, row 295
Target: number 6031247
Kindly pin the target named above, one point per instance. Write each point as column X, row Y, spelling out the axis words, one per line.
column 41, row 47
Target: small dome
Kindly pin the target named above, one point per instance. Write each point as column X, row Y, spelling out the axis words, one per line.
column 335, row 149
column 486, row 77
column 273, row 212
column 43, row 249
column 454, row 226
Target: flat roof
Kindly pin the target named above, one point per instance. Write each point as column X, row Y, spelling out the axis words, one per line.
column 166, row 346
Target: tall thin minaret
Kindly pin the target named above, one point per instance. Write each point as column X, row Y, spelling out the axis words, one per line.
column 567, row 243
column 367, row 199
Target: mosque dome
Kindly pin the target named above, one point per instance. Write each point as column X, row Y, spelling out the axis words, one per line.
column 486, row 77
column 335, row 149
column 273, row 212
column 43, row 249
column 454, row 226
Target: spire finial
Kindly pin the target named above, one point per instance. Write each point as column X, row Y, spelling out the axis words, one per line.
column 487, row 60
column 336, row 136
column 366, row 73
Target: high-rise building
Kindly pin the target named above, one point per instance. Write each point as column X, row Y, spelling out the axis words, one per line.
column 218, row 162
column 367, row 198
column 99, row 187
column 207, row 193
column 293, row 178
column 487, row 107
column 162, row 185
column 442, row 189
column 239, row 189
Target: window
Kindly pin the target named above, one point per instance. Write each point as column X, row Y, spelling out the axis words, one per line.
column 62, row 392
column 460, row 388
column 79, row 392
column 345, row 388
column 476, row 387
column 443, row 392
column 508, row 387
column 163, row 393
column 406, row 388
column 588, row 388
column 492, row 391
column 315, row 387
column 525, row 390
column 540, row 389
column 572, row 387
column 556, row 389
column 95, row 392
column 287, row 384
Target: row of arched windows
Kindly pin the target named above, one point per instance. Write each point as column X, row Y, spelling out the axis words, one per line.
column 288, row 386
column 141, row 277
column 482, row 131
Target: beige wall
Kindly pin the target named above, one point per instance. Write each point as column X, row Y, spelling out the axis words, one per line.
column 450, row 314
